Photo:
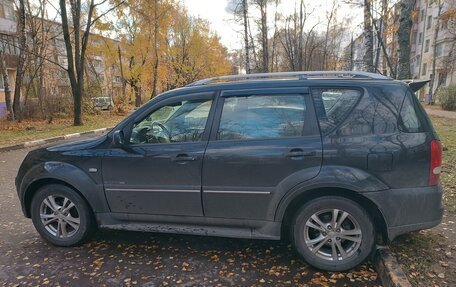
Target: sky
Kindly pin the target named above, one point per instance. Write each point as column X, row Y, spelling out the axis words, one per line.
column 214, row 11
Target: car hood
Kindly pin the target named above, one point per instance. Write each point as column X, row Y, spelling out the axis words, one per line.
column 78, row 145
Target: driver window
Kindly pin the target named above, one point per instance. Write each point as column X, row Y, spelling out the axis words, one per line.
column 182, row 121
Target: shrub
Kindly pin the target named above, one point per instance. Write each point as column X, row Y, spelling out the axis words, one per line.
column 447, row 97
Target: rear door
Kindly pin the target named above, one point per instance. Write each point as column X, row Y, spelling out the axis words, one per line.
column 260, row 140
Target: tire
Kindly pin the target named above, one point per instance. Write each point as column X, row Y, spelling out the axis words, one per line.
column 56, row 211
column 352, row 232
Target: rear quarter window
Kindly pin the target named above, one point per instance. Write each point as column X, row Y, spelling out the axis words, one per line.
column 412, row 118
column 333, row 105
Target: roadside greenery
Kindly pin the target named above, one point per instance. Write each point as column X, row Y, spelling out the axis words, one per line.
column 447, row 98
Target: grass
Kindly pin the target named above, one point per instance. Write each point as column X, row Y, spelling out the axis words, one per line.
column 15, row 133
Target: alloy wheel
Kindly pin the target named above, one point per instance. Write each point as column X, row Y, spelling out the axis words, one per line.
column 59, row 216
column 332, row 234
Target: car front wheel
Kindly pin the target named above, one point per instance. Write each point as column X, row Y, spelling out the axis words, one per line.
column 333, row 233
column 61, row 215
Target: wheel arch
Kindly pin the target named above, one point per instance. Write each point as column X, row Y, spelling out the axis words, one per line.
column 286, row 214
column 36, row 185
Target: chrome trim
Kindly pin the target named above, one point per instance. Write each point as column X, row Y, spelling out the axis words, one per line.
column 237, row 192
column 152, row 190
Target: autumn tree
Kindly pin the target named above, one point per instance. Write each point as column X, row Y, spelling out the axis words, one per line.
column 161, row 47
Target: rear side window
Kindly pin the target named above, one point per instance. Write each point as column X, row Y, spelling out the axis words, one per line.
column 333, row 105
column 262, row 117
column 410, row 121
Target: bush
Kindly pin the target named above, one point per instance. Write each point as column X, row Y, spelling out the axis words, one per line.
column 447, row 97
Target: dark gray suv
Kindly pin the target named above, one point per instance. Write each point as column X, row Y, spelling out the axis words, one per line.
column 335, row 161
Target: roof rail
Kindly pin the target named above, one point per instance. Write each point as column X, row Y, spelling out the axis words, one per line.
column 291, row 75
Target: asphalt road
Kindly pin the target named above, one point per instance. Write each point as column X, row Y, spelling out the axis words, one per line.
column 115, row 258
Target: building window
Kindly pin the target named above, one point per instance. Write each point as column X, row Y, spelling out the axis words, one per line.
column 426, row 46
column 7, row 10
column 422, row 15
column 442, row 79
column 2, row 86
column 423, row 73
column 117, row 79
column 429, row 22
column 420, row 38
column 439, row 49
column 414, row 35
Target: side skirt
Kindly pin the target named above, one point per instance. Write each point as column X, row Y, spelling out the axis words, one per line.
column 233, row 228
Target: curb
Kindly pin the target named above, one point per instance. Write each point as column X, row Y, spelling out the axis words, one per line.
column 388, row 269
column 41, row 142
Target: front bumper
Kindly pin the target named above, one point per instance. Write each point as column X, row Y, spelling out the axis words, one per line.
column 409, row 209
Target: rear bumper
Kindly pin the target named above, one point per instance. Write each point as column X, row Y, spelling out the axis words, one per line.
column 409, row 209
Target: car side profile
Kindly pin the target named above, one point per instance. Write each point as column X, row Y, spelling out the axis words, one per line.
column 334, row 161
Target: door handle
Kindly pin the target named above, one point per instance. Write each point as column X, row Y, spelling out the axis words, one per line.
column 182, row 157
column 297, row 152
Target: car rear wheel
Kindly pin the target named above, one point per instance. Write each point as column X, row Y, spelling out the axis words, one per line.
column 333, row 233
column 61, row 215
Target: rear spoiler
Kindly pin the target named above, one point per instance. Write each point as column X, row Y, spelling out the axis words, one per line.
column 416, row 85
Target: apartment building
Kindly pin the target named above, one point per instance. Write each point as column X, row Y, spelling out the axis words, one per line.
column 423, row 40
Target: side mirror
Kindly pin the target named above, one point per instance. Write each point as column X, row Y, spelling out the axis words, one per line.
column 118, row 138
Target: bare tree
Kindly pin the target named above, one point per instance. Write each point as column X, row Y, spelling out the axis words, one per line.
column 76, row 46
column 330, row 17
column 403, row 35
column 262, row 6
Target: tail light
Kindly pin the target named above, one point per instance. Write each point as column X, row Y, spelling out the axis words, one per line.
column 436, row 162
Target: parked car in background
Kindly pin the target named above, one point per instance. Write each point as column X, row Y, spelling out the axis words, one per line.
column 103, row 103
column 334, row 161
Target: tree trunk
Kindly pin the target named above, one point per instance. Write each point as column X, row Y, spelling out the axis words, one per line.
column 137, row 90
column 403, row 34
column 368, row 38
column 264, row 35
column 21, row 60
column 6, row 87
column 429, row 99
column 246, row 36
column 124, row 83
column 328, row 25
column 155, row 77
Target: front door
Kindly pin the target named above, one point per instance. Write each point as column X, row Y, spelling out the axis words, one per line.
column 261, row 142
column 159, row 171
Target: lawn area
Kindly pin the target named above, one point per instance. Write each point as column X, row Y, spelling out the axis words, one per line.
column 15, row 133
column 428, row 256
